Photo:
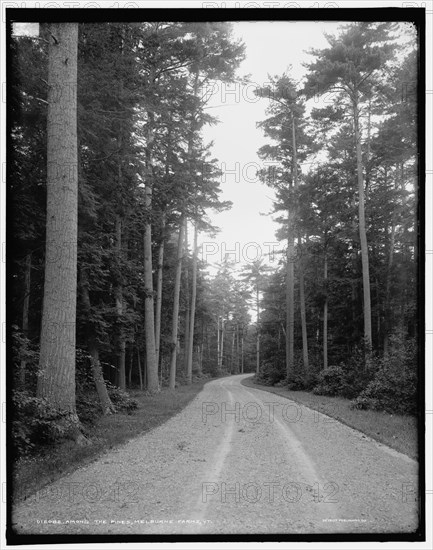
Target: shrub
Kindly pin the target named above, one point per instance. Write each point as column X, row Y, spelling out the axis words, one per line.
column 394, row 386
column 301, row 381
column 35, row 422
column 122, row 401
column 24, row 350
column 331, row 381
column 88, row 406
column 270, row 374
column 359, row 371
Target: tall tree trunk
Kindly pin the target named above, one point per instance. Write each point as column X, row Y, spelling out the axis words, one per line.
column 189, row 315
column 200, row 363
column 159, row 291
column 237, row 348
column 140, row 375
column 187, row 311
column 218, row 345
column 119, row 309
column 258, row 330
column 200, row 358
column 222, row 344
column 325, row 314
column 290, row 280
column 26, row 304
column 175, row 320
column 303, row 309
column 362, row 228
column 389, row 273
column 300, row 263
column 368, row 149
column 290, row 310
column 149, row 306
column 93, row 348
column 193, row 302
column 131, row 363
column 242, row 352
column 232, row 360
column 57, row 353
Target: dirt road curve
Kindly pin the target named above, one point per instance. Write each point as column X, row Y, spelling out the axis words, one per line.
column 235, row 460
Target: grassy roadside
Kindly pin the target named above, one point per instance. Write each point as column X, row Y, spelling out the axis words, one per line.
column 32, row 474
column 396, row 431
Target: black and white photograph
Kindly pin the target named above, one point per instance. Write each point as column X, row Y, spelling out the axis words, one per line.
column 215, row 274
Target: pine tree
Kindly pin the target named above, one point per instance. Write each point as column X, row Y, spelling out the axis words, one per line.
column 56, row 381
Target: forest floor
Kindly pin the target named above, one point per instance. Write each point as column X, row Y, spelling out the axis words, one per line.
column 108, row 432
column 397, row 431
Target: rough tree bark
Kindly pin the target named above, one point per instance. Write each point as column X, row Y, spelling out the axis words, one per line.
column 175, row 319
column 192, row 308
column 188, row 305
column 290, row 310
column 119, row 309
column 387, row 308
column 362, row 226
column 56, row 382
column 149, row 306
column 325, row 314
column 159, row 291
column 300, row 263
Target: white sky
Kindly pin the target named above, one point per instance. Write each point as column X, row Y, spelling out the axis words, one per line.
column 271, row 47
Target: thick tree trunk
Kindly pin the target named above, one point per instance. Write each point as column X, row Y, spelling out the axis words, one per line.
column 57, row 354
column 187, row 310
column 362, row 229
column 26, row 304
column 149, row 306
column 159, row 291
column 193, row 302
column 175, row 319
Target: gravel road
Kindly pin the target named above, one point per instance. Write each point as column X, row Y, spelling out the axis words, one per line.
column 235, row 460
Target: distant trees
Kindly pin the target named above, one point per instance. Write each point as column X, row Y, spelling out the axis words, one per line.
column 355, row 197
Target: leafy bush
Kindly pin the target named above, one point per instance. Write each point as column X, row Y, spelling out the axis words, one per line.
column 359, row 370
column 331, row 381
column 122, row 401
column 270, row 374
column 394, row 386
column 35, row 422
column 88, row 406
column 301, row 381
column 24, row 351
